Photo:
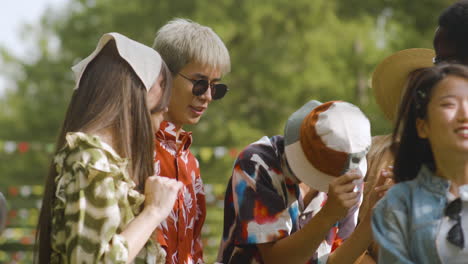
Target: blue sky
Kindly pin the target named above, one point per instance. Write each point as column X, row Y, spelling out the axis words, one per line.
column 14, row 14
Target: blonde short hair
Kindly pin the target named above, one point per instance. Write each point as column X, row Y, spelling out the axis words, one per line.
column 181, row 41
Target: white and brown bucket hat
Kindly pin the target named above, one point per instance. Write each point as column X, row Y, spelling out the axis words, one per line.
column 324, row 141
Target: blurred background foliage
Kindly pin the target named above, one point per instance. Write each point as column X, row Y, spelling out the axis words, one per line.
column 283, row 54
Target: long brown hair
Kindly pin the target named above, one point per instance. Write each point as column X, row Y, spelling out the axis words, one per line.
column 110, row 95
column 411, row 151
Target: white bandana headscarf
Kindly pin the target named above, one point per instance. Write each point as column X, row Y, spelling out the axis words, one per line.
column 145, row 61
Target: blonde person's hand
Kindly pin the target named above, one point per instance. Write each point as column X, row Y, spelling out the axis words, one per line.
column 160, row 195
column 382, row 185
column 341, row 195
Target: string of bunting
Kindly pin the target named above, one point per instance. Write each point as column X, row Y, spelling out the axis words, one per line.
column 203, row 153
column 207, row 153
column 21, row 235
column 24, row 191
column 23, row 217
column 16, row 257
column 10, row 147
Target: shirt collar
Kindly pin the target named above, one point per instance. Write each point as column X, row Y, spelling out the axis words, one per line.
column 432, row 182
column 440, row 185
column 287, row 172
column 167, row 132
column 315, row 203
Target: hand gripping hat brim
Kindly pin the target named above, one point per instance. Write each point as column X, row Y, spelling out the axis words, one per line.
column 324, row 141
column 390, row 77
column 145, row 61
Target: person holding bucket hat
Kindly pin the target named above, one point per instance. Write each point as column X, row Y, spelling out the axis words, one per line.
column 98, row 207
column 295, row 198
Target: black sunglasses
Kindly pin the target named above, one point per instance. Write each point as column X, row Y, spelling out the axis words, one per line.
column 455, row 234
column 218, row 90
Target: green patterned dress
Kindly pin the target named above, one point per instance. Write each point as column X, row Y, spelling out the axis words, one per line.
column 94, row 201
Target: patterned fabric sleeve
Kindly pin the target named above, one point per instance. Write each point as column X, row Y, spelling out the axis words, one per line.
column 92, row 212
column 199, row 218
column 261, row 211
column 95, row 200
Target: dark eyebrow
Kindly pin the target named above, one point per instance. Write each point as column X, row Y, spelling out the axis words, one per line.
column 201, row 76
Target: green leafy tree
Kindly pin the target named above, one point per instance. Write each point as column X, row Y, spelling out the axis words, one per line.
column 283, row 54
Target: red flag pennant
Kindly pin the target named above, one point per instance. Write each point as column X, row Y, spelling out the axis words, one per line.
column 233, row 153
column 23, row 147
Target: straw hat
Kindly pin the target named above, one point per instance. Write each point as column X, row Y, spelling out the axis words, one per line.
column 324, row 141
column 389, row 77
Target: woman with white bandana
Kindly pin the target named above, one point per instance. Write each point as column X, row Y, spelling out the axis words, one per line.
column 101, row 203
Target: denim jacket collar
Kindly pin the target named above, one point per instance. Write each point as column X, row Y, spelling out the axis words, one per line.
column 432, row 182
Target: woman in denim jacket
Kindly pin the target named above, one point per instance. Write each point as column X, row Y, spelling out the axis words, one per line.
column 424, row 218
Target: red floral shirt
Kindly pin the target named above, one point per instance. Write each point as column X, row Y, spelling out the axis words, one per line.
column 180, row 233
